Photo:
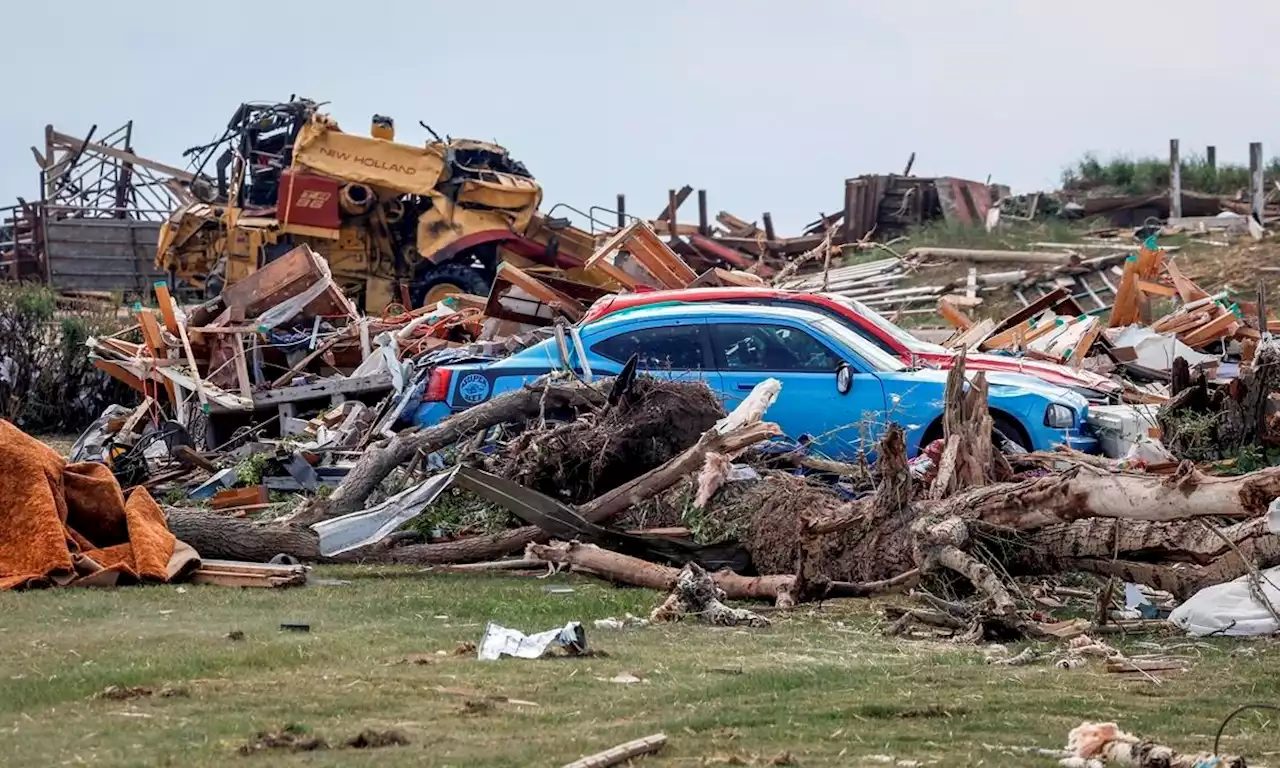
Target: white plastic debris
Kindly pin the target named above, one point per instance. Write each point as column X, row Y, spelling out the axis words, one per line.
column 615, row 623
column 1273, row 516
column 499, row 641
column 1231, row 608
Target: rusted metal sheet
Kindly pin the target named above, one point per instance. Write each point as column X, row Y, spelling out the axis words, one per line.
column 102, row 254
column 963, row 202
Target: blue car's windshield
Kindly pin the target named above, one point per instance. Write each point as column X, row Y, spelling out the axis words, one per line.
column 878, row 358
column 889, row 329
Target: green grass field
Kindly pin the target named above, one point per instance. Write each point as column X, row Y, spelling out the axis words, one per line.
column 822, row 684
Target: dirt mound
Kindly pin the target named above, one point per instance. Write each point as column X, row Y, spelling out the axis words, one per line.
column 577, row 461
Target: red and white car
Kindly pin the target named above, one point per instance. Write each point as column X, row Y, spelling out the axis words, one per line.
column 873, row 327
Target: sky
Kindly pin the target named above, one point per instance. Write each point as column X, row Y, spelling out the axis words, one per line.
column 768, row 106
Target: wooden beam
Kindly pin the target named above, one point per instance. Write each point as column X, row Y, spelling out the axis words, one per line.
column 704, row 226
column 769, row 234
column 1175, row 180
column 675, row 199
column 118, row 372
column 672, row 206
column 1257, row 182
column 77, row 145
column 167, row 312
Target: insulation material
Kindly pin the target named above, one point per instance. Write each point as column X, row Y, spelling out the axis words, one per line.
column 65, row 524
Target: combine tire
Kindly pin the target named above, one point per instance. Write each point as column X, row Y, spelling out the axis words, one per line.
column 438, row 281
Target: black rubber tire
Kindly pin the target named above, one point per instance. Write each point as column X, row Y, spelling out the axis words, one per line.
column 1010, row 429
column 999, row 421
column 464, row 276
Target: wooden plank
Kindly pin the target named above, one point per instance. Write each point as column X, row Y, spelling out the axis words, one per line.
column 220, row 579
column 973, row 336
column 195, row 369
column 242, row 367
column 244, row 566
column 239, row 497
column 167, row 311
column 119, row 373
column 338, row 384
column 131, row 424
column 1146, row 286
column 1219, row 326
column 1081, row 350
column 151, row 333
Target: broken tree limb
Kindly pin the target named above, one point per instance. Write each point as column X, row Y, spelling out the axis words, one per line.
column 662, row 478
column 381, row 459
column 622, row 753
column 642, row 573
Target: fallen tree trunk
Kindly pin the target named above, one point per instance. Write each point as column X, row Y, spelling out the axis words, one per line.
column 218, row 537
column 382, row 458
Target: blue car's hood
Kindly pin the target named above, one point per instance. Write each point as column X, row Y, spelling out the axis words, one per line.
column 1000, row 385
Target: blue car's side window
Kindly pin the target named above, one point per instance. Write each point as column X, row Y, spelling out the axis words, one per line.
column 677, row 347
column 743, row 347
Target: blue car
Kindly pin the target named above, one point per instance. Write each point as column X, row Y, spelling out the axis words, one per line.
column 839, row 392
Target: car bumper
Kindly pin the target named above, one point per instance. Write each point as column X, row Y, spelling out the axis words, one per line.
column 1082, row 443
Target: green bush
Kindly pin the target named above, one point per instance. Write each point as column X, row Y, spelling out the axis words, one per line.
column 47, row 382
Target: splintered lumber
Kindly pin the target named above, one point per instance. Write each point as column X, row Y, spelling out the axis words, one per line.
column 1214, row 329
column 973, row 335
column 644, row 245
column 622, row 753
column 230, row 573
column 953, row 314
column 984, row 256
column 1125, row 309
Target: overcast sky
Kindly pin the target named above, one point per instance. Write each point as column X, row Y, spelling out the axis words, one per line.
column 768, row 105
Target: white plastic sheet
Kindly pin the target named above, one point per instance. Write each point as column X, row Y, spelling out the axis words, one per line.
column 499, row 641
column 1231, row 609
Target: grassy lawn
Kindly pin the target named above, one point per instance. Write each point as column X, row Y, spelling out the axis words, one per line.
column 824, row 684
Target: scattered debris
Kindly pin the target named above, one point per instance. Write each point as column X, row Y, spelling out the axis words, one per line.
column 290, row 738
column 371, row 738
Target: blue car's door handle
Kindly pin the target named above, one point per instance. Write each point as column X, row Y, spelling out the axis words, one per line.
column 747, row 385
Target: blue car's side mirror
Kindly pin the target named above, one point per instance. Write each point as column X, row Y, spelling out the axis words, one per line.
column 844, row 379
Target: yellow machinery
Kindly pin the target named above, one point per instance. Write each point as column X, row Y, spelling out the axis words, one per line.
column 396, row 222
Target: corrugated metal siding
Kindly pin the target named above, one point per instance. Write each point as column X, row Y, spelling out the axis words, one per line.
column 103, row 255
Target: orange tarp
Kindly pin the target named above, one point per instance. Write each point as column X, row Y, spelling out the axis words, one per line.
column 70, row 524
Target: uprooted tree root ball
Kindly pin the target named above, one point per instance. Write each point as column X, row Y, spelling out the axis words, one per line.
column 578, row 460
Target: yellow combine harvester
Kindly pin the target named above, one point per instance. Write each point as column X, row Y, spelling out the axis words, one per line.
column 397, row 223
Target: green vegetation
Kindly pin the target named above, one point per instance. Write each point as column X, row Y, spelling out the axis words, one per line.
column 824, row 684
column 1150, row 175
column 49, row 383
